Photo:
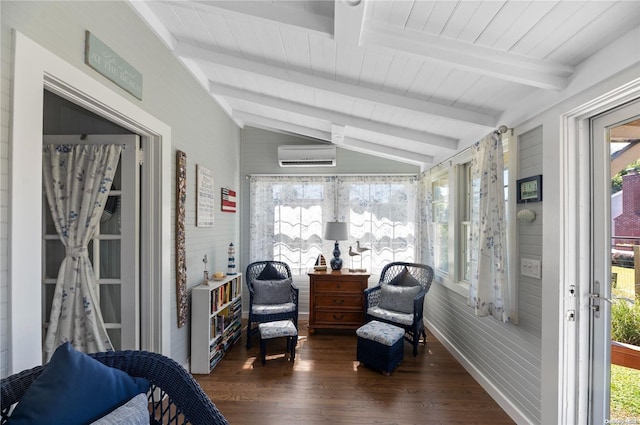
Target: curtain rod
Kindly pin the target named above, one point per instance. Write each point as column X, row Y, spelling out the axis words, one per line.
column 500, row 130
column 335, row 175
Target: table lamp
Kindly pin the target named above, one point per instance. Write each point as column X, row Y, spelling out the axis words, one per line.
column 336, row 231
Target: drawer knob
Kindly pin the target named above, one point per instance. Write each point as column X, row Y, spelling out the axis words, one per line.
column 336, row 317
column 340, row 301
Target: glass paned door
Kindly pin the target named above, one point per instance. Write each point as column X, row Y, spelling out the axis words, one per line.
column 615, row 146
column 113, row 251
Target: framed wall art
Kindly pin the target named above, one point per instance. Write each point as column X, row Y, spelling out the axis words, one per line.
column 529, row 189
column 181, row 251
column 227, row 200
column 204, row 207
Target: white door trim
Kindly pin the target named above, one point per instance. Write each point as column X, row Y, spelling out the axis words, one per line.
column 575, row 266
column 36, row 68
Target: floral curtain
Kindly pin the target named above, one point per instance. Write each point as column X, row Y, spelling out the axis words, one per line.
column 287, row 217
column 381, row 212
column 424, row 250
column 77, row 179
column 288, row 214
column 488, row 291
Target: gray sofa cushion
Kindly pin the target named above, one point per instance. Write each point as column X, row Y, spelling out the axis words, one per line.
column 271, row 291
column 398, row 298
column 133, row 412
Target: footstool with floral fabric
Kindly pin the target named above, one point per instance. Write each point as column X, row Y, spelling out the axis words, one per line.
column 278, row 329
column 380, row 346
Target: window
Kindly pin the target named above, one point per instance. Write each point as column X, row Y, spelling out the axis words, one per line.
column 440, row 217
column 454, row 192
column 287, row 217
column 467, row 191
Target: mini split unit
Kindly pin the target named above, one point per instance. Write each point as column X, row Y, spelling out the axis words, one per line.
column 307, row 155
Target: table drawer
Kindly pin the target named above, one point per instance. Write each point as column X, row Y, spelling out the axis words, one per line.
column 339, row 317
column 339, row 300
column 333, row 286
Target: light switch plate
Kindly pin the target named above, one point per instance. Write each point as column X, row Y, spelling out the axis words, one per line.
column 530, row 268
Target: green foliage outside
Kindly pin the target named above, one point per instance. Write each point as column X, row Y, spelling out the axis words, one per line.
column 616, row 181
column 625, row 322
column 625, row 327
column 625, row 394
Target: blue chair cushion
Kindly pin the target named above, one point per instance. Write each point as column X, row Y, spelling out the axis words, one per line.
column 404, row 278
column 75, row 389
column 271, row 291
column 398, row 298
column 270, row 273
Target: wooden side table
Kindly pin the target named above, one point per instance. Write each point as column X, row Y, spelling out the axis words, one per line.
column 336, row 299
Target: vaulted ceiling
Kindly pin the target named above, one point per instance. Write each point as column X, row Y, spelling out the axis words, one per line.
column 410, row 80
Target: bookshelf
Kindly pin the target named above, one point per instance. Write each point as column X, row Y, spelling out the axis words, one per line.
column 216, row 321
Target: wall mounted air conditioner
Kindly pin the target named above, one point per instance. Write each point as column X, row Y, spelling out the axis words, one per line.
column 307, row 155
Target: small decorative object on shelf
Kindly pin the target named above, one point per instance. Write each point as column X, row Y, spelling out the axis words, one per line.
column 321, row 263
column 231, row 269
column 205, row 281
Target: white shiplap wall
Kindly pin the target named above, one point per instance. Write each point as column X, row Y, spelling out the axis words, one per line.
column 508, row 355
column 529, row 235
column 260, row 156
column 5, row 85
column 198, row 125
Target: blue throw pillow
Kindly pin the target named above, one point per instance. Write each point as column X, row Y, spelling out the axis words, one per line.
column 75, row 389
column 270, row 273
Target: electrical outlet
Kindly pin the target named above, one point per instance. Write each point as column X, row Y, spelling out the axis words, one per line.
column 530, row 268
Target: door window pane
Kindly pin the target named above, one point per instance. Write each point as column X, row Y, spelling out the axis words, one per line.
column 54, row 253
column 110, row 302
column 110, row 221
column 109, row 259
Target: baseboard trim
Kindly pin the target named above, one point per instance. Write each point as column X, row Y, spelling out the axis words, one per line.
column 503, row 401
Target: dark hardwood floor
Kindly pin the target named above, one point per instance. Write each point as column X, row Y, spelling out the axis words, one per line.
column 326, row 385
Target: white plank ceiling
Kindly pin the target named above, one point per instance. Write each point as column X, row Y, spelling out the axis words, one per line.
column 411, row 80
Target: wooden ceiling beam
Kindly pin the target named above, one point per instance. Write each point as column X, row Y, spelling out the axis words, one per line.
column 485, row 61
column 215, row 56
column 334, row 117
column 268, row 12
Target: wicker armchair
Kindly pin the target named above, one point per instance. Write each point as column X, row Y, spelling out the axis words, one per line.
column 174, row 398
column 412, row 323
column 269, row 313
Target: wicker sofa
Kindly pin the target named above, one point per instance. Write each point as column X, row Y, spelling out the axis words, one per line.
column 174, row 398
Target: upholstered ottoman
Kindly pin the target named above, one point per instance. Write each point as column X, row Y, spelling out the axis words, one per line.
column 278, row 329
column 380, row 346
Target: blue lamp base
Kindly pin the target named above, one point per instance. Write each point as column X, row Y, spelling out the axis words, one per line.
column 336, row 261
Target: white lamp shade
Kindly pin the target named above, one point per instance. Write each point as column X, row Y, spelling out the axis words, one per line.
column 336, row 231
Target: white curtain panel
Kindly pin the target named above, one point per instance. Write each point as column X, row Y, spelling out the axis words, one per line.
column 488, row 290
column 77, row 180
column 424, row 250
column 288, row 214
column 287, row 218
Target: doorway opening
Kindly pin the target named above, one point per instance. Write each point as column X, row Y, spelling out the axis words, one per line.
column 35, row 69
column 114, row 248
column 624, row 192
